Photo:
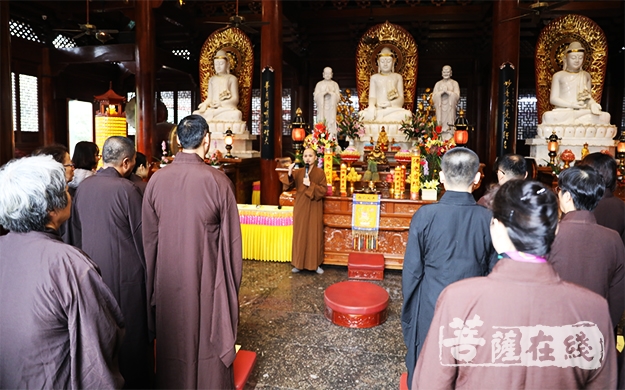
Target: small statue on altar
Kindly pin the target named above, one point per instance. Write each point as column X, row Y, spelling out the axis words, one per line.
column 585, row 151
column 377, row 155
column 571, row 93
column 386, row 92
column 383, row 140
column 223, row 93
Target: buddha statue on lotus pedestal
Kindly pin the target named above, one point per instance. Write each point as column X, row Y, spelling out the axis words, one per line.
column 386, row 95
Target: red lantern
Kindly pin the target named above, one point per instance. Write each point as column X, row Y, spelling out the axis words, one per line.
column 298, row 134
column 461, row 137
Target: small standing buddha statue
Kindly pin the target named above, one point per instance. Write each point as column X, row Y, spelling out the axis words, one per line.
column 383, row 140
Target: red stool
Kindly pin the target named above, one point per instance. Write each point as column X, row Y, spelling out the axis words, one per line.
column 365, row 266
column 242, row 367
column 354, row 304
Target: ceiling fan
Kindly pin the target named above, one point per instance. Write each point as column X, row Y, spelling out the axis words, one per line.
column 90, row 30
column 536, row 8
column 239, row 22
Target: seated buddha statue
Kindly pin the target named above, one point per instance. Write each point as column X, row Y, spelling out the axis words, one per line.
column 571, row 93
column 223, row 93
column 383, row 140
column 386, row 92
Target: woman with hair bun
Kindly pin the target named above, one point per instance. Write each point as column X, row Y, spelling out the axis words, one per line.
column 521, row 326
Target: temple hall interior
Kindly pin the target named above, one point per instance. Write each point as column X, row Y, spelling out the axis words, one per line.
column 84, row 70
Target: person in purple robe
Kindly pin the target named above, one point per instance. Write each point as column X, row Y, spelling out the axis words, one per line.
column 522, row 326
column 448, row 241
column 106, row 224
column 193, row 251
column 60, row 327
column 610, row 211
column 584, row 252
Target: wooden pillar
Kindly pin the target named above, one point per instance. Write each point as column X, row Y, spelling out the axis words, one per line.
column 145, row 54
column 47, row 99
column 506, row 43
column 271, row 55
column 7, row 137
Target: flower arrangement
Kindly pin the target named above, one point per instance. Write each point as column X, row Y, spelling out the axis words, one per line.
column 320, row 140
column 423, row 122
column 214, row 158
column 423, row 128
column 347, row 119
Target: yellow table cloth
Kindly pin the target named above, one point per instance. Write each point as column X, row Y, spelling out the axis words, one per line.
column 267, row 232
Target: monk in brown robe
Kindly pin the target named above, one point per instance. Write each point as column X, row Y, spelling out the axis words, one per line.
column 60, row 326
column 193, row 250
column 310, row 184
column 521, row 327
column 106, row 224
column 610, row 212
column 584, row 252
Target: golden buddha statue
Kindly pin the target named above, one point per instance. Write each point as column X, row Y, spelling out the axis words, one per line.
column 383, row 140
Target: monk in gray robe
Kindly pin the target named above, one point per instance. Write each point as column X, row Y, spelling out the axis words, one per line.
column 310, row 183
column 521, row 327
column 583, row 252
column 60, row 326
column 106, row 224
column 447, row 242
column 193, row 251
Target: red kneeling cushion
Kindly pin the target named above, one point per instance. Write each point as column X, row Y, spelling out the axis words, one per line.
column 365, row 261
column 353, row 297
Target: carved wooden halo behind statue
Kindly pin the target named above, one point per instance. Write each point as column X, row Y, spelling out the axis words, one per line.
column 551, row 49
column 406, row 54
column 240, row 53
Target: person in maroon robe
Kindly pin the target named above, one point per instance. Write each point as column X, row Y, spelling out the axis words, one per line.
column 310, row 183
column 509, row 167
column 610, row 212
column 193, row 250
column 521, row 327
column 106, row 224
column 584, row 252
column 60, row 326
column 448, row 241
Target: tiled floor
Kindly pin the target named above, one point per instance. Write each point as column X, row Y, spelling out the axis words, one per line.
column 298, row 348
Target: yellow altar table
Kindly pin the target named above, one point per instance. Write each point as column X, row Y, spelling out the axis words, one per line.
column 267, row 232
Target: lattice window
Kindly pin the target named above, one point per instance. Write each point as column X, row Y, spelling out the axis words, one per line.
column 167, row 97
column 184, row 105
column 255, row 122
column 527, row 116
column 286, row 111
column 23, row 30
column 131, row 130
column 623, row 116
column 26, row 97
column 63, row 42
column 184, row 53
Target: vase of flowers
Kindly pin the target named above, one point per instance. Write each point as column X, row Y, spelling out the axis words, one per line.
column 321, row 141
column 347, row 119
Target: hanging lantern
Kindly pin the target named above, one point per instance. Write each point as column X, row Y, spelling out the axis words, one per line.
column 461, row 135
column 298, row 134
column 110, row 119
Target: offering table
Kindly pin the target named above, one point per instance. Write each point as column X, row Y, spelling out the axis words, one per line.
column 395, row 217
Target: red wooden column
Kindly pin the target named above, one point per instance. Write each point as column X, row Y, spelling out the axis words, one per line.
column 271, row 55
column 145, row 54
column 506, row 43
column 47, row 98
column 7, row 138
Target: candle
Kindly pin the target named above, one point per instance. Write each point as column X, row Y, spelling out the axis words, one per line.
column 343, row 179
column 397, row 183
column 327, row 167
